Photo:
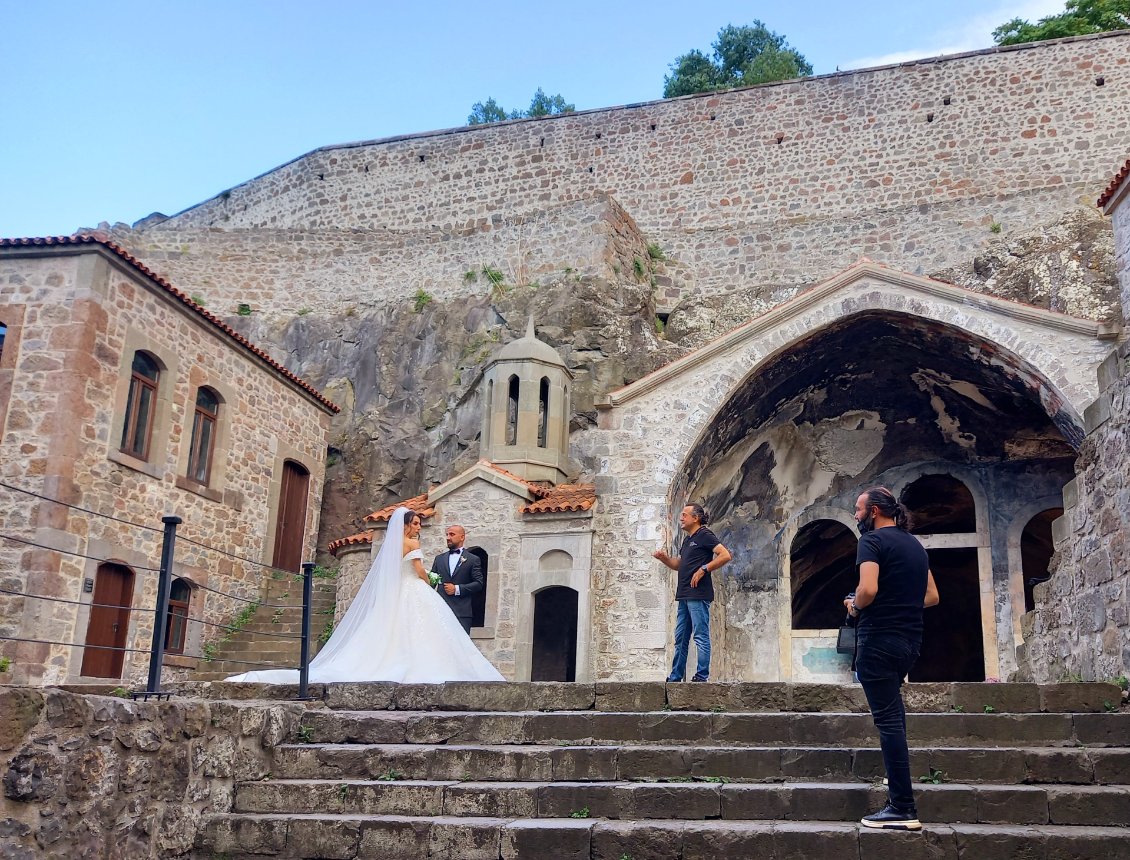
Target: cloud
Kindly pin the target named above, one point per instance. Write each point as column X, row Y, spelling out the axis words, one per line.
column 974, row 34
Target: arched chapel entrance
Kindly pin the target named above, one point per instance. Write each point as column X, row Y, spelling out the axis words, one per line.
column 555, row 635
column 877, row 397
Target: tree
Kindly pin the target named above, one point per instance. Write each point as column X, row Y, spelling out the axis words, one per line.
column 540, row 105
column 1079, row 18
column 742, row 56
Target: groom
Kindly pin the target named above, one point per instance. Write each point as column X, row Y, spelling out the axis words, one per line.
column 461, row 575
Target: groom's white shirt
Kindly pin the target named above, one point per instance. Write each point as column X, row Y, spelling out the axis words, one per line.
column 453, row 559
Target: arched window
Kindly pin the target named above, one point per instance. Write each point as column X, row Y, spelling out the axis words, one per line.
column 177, row 623
column 512, row 412
column 203, row 435
column 137, row 429
column 543, row 412
column 1036, row 550
column 822, row 571
column 940, row 504
column 490, row 416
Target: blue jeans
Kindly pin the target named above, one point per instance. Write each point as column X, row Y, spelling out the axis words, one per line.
column 882, row 659
column 693, row 615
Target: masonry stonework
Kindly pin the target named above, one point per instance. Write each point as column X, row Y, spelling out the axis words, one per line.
column 83, row 315
column 910, row 165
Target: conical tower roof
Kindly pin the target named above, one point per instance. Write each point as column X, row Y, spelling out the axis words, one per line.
column 529, row 347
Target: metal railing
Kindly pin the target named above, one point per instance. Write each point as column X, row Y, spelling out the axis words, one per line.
column 165, row 577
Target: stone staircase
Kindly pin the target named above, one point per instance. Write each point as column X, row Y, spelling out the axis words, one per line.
column 259, row 640
column 628, row 771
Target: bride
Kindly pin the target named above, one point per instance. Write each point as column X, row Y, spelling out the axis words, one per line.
column 396, row 629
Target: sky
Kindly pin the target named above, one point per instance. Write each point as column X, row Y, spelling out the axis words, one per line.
column 113, row 110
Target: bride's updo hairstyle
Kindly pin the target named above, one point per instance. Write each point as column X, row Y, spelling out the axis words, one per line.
column 410, row 518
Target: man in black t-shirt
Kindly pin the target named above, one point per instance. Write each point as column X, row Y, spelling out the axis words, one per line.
column 895, row 584
column 700, row 555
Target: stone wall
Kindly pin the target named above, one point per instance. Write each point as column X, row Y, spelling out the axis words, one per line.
column 912, row 165
column 80, row 317
column 339, row 269
column 95, row 776
column 1081, row 624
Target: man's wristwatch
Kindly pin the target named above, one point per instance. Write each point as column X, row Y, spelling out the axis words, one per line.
column 705, row 569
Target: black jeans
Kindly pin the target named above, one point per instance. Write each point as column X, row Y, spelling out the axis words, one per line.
column 882, row 659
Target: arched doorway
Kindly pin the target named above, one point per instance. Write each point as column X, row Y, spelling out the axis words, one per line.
column 822, row 571
column 867, row 400
column 108, row 627
column 1036, row 550
column 555, row 635
column 944, row 516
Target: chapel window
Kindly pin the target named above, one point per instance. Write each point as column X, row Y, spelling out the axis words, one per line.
column 177, row 623
column 543, row 412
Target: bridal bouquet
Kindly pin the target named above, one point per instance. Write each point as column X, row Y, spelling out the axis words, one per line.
column 433, row 579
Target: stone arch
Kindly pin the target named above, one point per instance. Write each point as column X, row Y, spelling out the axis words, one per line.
column 1043, row 361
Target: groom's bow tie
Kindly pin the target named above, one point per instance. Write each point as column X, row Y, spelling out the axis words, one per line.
column 455, row 551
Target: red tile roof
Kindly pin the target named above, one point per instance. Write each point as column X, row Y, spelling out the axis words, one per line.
column 564, row 497
column 1119, row 177
column 135, row 263
column 419, row 504
column 539, row 490
column 352, row 540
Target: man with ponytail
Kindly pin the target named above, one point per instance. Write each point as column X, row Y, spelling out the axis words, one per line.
column 895, row 584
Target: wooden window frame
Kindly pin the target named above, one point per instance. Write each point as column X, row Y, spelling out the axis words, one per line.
column 170, row 646
column 199, row 416
column 129, row 426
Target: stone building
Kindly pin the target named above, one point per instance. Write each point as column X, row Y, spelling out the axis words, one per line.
column 122, row 400
column 531, row 530
column 764, row 299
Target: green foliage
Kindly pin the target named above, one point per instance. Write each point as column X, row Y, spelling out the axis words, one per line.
column 1123, row 682
column 1109, row 706
column 583, row 812
column 306, row 734
column 742, row 56
column 5, row 664
column 327, row 632
column 421, row 300
column 243, row 309
column 303, row 311
column 120, row 692
column 637, row 267
column 470, row 276
column 391, row 775
column 209, row 651
column 332, row 460
column 994, row 226
column 540, row 105
column 935, row 776
column 1079, row 18
column 197, row 299
column 989, row 709
column 957, row 709
column 343, row 791
column 277, row 615
column 496, row 278
column 321, row 572
column 660, row 326
column 655, row 252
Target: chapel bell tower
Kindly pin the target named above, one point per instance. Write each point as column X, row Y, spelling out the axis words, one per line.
column 526, row 410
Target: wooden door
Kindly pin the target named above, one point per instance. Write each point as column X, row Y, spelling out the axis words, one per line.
column 290, row 526
column 109, row 622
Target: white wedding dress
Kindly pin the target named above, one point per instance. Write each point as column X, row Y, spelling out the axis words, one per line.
column 396, row 629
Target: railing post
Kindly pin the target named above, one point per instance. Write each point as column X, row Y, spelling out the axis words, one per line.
column 161, row 619
column 307, row 594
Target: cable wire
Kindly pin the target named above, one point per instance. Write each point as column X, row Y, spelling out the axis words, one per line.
column 76, row 554
column 80, row 508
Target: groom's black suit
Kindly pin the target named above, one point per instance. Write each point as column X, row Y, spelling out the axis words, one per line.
column 468, row 575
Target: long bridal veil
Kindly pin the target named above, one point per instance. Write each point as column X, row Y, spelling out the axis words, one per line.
column 367, row 637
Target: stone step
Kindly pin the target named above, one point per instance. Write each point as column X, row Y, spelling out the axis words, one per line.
column 1021, row 765
column 699, row 801
column 970, row 698
column 408, row 838
column 713, row 729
